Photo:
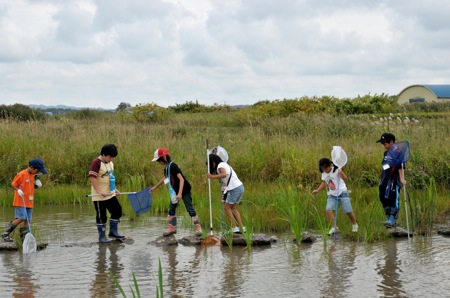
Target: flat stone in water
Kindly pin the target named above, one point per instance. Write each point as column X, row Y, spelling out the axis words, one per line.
column 11, row 246
column 399, row 232
column 165, row 241
column 306, row 237
column 445, row 232
column 257, row 240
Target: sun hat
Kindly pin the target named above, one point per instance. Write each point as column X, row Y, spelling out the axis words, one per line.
column 38, row 164
column 160, row 152
column 387, row 137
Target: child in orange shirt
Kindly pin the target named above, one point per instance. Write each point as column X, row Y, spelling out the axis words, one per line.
column 24, row 183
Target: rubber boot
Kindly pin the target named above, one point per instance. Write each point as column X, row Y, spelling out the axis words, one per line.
column 391, row 221
column 23, row 232
column 101, row 233
column 8, row 230
column 198, row 227
column 387, row 212
column 113, row 223
column 172, row 229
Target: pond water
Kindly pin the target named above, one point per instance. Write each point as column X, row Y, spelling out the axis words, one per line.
column 74, row 265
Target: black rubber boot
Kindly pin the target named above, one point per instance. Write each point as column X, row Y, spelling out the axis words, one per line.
column 8, row 230
column 113, row 225
column 23, row 232
column 102, row 234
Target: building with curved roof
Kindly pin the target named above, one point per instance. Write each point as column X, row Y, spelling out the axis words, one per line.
column 424, row 93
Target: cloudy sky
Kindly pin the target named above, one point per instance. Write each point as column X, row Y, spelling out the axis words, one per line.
column 99, row 53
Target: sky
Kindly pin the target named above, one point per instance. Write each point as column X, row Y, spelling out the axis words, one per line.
column 99, row 53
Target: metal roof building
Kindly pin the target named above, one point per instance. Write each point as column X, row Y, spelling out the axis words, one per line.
column 424, row 93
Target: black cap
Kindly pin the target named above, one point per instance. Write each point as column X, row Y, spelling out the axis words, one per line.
column 387, row 137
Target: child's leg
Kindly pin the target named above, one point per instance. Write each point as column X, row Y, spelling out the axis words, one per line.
column 330, row 215
column 236, row 214
column 229, row 214
column 352, row 217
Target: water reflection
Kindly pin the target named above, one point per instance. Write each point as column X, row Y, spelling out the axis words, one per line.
column 106, row 263
column 236, row 262
column 22, row 277
column 341, row 267
column 182, row 276
column 390, row 284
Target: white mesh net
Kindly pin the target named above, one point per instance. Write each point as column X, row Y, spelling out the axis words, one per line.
column 29, row 244
column 338, row 156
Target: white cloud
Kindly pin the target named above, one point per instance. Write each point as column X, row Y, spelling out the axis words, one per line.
column 98, row 53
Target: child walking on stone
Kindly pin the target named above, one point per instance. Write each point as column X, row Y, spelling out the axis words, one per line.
column 179, row 189
column 330, row 176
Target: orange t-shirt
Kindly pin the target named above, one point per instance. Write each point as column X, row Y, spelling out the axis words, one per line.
column 25, row 181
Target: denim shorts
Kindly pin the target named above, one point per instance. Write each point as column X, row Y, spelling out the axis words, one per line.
column 234, row 196
column 344, row 201
column 20, row 213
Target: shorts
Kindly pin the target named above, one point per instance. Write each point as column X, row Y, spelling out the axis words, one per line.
column 344, row 201
column 234, row 196
column 20, row 213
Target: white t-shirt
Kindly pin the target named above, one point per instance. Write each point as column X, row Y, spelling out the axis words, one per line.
column 331, row 180
column 234, row 182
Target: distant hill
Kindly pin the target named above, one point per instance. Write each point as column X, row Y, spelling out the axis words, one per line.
column 61, row 109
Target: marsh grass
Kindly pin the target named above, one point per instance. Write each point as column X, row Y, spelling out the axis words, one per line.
column 135, row 291
column 423, row 208
column 269, row 154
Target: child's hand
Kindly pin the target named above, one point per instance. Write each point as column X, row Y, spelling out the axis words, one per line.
column 152, row 190
column 38, row 183
column 116, row 192
column 315, row 191
column 210, row 176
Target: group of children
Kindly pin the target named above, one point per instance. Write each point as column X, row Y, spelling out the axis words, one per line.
column 391, row 180
column 104, row 192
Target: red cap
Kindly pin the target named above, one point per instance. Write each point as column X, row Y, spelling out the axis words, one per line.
column 160, row 152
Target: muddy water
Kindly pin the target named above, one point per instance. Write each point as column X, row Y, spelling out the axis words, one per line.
column 74, row 265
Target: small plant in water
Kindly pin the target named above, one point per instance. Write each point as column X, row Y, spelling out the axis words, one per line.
column 248, row 237
column 228, row 237
column 159, row 287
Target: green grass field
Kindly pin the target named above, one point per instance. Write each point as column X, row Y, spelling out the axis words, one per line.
column 275, row 156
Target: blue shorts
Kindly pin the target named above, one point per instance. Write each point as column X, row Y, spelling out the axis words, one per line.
column 344, row 201
column 20, row 213
column 234, row 196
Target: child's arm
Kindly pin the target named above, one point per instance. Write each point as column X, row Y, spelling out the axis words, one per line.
column 95, row 185
column 402, row 177
column 222, row 174
column 180, row 191
column 321, row 186
column 343, row 176
column 157, row 185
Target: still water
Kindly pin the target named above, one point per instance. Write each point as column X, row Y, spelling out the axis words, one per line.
column 74, row 265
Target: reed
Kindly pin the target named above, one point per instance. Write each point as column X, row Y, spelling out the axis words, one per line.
column 272, row 155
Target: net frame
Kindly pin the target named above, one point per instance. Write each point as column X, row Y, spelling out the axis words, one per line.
column 338, row 156
column 29, row 244
column 141, row 201
column 398, row 154
column 221, row 152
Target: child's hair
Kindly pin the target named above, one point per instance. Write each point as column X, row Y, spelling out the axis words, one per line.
column 167, row 158
column 109, row 149
column 214, row 161
column 325, row 162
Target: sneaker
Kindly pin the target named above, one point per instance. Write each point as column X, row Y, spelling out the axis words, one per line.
column 235, row 230
column 355, row 228
column 331, row 232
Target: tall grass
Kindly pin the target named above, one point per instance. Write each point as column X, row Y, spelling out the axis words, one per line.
column 275, row 157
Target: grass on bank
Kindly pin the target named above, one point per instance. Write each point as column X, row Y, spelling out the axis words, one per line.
column 275, row 157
